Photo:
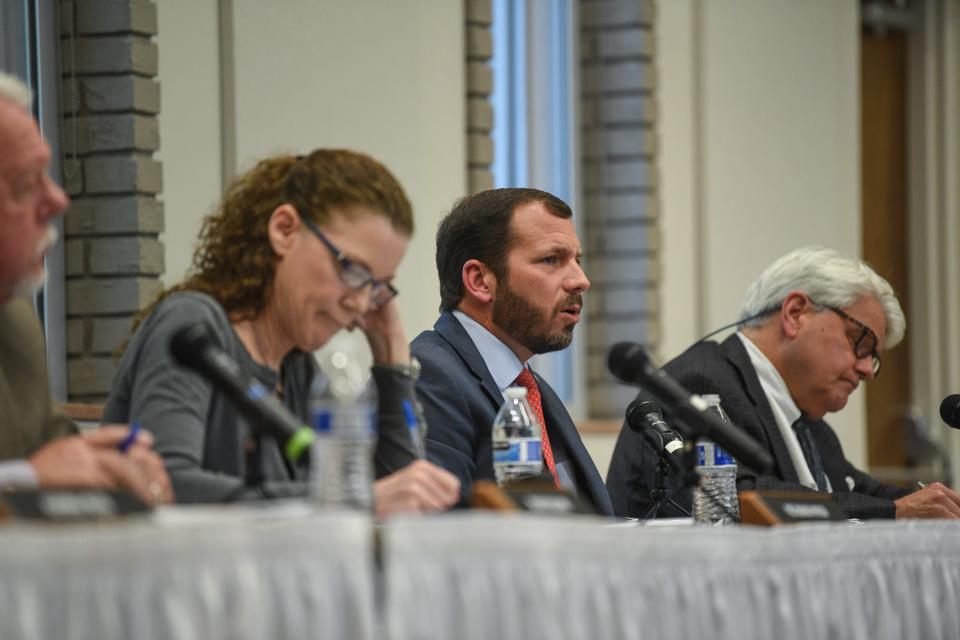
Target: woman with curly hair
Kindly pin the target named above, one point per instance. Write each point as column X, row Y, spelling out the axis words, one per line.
column 300, row 248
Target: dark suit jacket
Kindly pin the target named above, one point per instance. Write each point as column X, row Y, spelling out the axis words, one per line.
column 725, row 369
column 27, row 416
column 461, row 400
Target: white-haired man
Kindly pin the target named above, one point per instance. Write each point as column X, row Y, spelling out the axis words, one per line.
column 38, row 447
column 811, row 330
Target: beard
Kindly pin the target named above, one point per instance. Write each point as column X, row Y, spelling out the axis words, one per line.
column 33, row 282
column 529, row 325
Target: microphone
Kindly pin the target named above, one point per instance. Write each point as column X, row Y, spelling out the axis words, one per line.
column 950, row 410
column 192, row 347
column 629, row 362
column 644, row 417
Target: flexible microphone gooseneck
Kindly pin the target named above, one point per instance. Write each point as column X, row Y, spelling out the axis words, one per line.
column 192, row 347
column 630, row 363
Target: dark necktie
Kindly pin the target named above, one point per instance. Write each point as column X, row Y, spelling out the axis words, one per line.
column 811, row 453
column 526, row 379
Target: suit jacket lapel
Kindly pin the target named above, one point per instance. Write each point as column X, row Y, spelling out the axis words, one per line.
column 737, row 355
column 450, row 329
column 556, row 413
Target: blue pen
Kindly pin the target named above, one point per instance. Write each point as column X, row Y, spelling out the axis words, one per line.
column 414, row 428
column 131, row 437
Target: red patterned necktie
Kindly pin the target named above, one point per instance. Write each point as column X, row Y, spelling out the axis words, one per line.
column 526, row 379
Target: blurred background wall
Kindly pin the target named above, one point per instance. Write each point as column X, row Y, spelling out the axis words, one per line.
column 696, row 140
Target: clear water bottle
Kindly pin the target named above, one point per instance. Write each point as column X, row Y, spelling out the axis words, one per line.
column 517, row 451
column 715, row 499
column 343, row 413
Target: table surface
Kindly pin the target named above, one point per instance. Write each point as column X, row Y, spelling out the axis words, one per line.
column 481, row 576
column 287, row 572
column 189, row 573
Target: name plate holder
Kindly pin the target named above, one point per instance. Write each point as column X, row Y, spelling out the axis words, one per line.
column 769, row 508
column 69, row 505
column 534, row 495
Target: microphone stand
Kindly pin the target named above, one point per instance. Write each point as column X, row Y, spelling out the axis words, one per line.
column 253, row 478
column 661, row 492
column 691, row 477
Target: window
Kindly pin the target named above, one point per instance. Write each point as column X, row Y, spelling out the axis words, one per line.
column 534, row 132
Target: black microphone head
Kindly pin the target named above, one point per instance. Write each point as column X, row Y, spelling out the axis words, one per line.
column 637, row 412
column 188, row 344
column 624, row 358
column 950, row 410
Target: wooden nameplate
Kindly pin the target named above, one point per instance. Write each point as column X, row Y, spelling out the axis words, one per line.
column 535, row 495
column 768, row 508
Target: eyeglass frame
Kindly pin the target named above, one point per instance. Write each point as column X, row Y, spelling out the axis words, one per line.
column 346, row 265
column 864, row 332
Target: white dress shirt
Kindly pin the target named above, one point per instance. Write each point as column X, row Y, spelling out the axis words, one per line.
column 17, row 474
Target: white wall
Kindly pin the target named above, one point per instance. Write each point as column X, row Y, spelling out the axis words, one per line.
column 677, row 129
column 189, row 124
column 758, row 130
column 385, row 78
column 759, row 140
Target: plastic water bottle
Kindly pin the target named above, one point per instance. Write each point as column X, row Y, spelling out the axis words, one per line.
column 715, row 499
column 343, row 413
column 517, row 450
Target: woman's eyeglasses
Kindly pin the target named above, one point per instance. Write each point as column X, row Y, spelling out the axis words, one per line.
column 353, row 274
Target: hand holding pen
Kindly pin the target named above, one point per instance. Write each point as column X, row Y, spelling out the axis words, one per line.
column 111, row 457
column 130, row 438
column 128, row 455
column 933, row 500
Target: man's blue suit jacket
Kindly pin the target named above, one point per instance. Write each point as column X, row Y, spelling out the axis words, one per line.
column 461, row 400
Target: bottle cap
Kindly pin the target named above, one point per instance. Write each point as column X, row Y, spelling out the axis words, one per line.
column 516, row 392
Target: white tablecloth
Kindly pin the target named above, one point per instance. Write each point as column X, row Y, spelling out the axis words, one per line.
column 224, row 573
column 477, row 576
column 190, row 574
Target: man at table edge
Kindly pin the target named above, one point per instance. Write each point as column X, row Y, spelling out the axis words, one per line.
column 811, row 329
column 38, row 446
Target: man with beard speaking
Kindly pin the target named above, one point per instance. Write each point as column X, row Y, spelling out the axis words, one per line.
column 510, row 287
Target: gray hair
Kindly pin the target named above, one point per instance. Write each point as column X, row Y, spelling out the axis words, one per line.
column 830, row 279
column 12, row 88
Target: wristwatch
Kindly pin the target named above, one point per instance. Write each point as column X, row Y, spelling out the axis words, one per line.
column 410, row 369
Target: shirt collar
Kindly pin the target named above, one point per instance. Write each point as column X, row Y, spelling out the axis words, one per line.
column 501, row 361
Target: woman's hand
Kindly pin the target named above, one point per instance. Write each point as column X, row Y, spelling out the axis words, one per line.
column 384, row 331
column 419, row 487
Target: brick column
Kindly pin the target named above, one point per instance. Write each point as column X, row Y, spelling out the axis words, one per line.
column 113, row 253
column 619, row 180
column 479, row 50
